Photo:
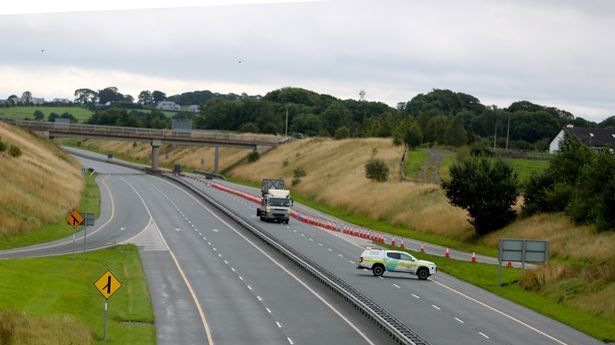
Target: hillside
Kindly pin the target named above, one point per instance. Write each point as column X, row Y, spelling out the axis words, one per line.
column 37, row 187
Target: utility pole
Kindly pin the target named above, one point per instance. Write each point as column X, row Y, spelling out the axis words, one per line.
column 495, row 129
column 507, row 131
column 286, row 127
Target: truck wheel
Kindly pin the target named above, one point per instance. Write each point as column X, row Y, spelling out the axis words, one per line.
column 286, row 221
column 422, row 273
column 378, row 270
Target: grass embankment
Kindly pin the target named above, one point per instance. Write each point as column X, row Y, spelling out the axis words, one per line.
column 53, row 300
column 559, row 303
column 23, row 112
column 38, row 188
column 189, row 157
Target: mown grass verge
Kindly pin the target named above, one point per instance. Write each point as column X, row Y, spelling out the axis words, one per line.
column 60, row 291
column 90, row 202
column 485, row 276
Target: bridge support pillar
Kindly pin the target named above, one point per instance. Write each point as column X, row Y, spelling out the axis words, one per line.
column 216, row 157
column 155, row 151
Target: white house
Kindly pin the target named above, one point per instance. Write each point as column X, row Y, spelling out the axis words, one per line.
column 168, row 105
column 61, row 100
column 193, row 108
column 37, row 101
column 591, row 137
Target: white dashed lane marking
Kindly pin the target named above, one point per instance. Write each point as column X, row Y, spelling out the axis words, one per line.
column 415, row 296
column 277, row 323
column 290, row 341
column 483, row 334
column 459, row 320
column 435, row 306
column 397, row 286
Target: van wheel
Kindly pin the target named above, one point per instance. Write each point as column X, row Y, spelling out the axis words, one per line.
column 422, row 273
column 378, row 270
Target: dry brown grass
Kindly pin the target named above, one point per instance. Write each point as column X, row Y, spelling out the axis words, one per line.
column 38, row 187
column 21, row 329
column 566, row 240
column 188, row 156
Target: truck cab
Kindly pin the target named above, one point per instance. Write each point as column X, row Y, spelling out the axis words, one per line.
column 275, row 202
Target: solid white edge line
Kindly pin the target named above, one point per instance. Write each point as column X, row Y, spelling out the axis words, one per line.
column 501, row 313
column 210, row 340
column 325, row 302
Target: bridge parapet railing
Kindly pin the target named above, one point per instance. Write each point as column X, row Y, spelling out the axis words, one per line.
column 143, row 132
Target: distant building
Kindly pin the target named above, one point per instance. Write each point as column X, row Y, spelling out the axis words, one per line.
column 168, row 105
column 37, row 101
column 594, row 138
column 193, row 108
column 61, row 100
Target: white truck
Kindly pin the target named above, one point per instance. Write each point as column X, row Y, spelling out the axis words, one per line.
column 275, row 201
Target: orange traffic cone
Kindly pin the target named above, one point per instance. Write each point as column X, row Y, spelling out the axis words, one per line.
column 401, row 244
column 473, row 257
column 509, row 264
column 422, row 248
column 446, row 254
column 393, row 242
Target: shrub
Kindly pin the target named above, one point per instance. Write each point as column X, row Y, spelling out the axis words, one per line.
column 342, row 133
column 14, row 151
column 376, row 169
column 249, row 127
column 285, row 163
column 253, row 156
column 2, row 146
column 486, row 188
column 299, row 172
column 296, row 181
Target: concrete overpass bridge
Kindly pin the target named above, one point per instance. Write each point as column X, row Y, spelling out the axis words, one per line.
column 156, row 137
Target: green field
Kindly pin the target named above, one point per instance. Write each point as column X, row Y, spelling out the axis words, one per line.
column 90, row 202
column 60, row 292
column 80, row 113
column 21, row 113
column 523, row 167
column 485, row 276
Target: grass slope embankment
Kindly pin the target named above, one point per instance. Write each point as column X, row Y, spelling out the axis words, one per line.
column 53, row 300
column 38, row 188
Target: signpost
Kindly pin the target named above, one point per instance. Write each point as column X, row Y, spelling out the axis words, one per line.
column 521, row 251
column 88, row 221
column 74, row 219
column 107, row 285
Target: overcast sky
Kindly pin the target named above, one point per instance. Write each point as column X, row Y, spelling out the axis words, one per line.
column 559, row 53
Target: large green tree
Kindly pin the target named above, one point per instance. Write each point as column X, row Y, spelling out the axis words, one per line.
column 486, row 188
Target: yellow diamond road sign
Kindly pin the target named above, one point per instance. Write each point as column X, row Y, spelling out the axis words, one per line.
column 74, row 219
column 107, row 284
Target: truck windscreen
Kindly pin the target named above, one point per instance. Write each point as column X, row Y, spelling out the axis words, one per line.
column 279, row 202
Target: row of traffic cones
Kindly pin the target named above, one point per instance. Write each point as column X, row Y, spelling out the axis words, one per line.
column 447, row 254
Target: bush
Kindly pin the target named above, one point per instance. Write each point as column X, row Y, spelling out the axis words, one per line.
column 285, row 163
column 299, row 172
column 376, row 169
column 249, row 127
column 342, row 133
column 253, row 156
column 486, row 188
column 2, row 146
column 14, row 151
column 296, row 181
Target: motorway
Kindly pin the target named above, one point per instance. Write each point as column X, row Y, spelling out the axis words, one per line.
column 213, row 282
